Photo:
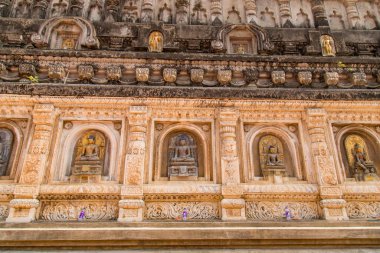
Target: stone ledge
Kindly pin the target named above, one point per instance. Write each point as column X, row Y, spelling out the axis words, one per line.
column 80, row 90
column 114, row 235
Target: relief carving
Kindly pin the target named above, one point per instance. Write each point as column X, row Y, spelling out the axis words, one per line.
column 4, row 211
column 331, row 78
column 265, row 210
column 278, row 77
column 363, row 210
column 173, row 210
column 170, row 75
column 70, row 210
column 197, row 75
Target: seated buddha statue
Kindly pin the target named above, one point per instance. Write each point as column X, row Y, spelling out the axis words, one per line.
column 183, row 152
column 88, row 163
column 183, row 161
column 91, row 150
column 273, row 157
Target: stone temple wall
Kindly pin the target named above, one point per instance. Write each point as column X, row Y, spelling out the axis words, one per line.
column 313, row 179
column 228, row 110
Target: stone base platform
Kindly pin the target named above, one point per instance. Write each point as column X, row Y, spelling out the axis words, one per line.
column 191, row 235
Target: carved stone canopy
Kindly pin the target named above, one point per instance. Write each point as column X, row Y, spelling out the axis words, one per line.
column 66, row 33
column 259, row 35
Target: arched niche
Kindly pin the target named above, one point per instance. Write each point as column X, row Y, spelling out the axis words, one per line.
column 72, row 146
column 369, row 144
column 336, row 14
column 182, row 155
column 369, row 17
column 302, row 16
column 11, row 139
column 259, row 141
column 66, row 33
column 90, row 159
column 244, row 39
column 268, row 12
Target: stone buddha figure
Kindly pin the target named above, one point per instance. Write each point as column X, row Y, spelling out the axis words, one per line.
column 155, row 42
column 89, row 161
column 91, row 150
column 68, row 43
column 240, row 49
column 364, row 169
column 273, row 157
column 182, row 160
column 182, row 152
column 328, row 47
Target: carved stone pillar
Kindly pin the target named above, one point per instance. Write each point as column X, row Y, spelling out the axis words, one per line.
column 285, row 14
column 352, row 12
column 23, row 207
column 250, row 11
column 131, row 206
column 147, row 11
column 216, row 10
column 233, row 206
column 319, row 13
column 332, row 204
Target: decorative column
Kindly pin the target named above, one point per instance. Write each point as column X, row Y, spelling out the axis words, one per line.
column 147, row 11
column 216, row 10
column 319, row 13
column 131, row 204
column 250, row 11
column 285, row 14
column 24, row 205
column 352, row 12
column 332, row 202
column 233, row 206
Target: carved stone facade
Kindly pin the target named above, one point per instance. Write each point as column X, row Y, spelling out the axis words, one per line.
column 222, row 110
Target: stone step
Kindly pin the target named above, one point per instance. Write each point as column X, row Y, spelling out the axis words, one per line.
column 188, row 235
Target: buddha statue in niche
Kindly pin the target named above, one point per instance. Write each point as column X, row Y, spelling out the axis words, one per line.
column 89, row 160
column 362, row 168
column 272, row 159
column 328, row 45
column 155, row 42
column 6, row 139
column 182, row 158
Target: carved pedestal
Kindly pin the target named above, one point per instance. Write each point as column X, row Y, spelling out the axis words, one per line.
column 274, row 174
column 334, row 209
column 131, row 210
column 22, row 210
column 86, row 172
column 233, row 209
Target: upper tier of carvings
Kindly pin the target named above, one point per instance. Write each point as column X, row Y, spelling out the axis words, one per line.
column 274, row 13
